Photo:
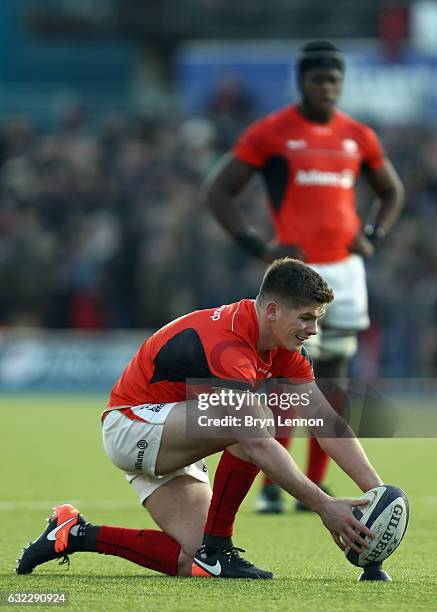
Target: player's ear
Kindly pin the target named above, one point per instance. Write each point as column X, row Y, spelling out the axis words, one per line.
column 272, row 311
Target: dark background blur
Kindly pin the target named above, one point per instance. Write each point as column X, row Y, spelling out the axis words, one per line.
column 112, row 112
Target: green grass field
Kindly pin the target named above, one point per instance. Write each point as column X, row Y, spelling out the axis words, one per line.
column 52, row 452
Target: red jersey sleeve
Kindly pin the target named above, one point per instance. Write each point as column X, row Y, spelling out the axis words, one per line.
column 373, row 153
column 294, row 366
column 250, row 147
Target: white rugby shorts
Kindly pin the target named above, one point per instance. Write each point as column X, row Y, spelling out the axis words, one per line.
column 133, row 447
column 348, row 311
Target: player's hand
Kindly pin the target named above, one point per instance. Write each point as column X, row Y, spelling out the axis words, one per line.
column 362, row 246
column 345, row 529
column 276, row 251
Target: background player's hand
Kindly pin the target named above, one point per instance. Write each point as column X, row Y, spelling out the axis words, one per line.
column 362, row 246
column 276, row 251
column 345, row 529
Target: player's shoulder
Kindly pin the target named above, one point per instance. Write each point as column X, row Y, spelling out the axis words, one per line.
column 229, row 311
column 353, row 124
column 234, row 322
column 234, row 319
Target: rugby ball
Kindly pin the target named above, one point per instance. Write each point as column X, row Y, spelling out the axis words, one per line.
column 387, row 516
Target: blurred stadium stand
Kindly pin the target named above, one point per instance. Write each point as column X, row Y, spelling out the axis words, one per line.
column 111, row 117
column 181, row 19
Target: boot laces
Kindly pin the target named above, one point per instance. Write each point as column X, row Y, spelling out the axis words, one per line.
column 65, row 560
column 232, row 553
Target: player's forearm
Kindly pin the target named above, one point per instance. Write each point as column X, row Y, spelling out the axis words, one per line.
column 337, row 439
column 388, row 186
column 225, row 209
column 391, row 194
column 222, row 188
column 390, row 208
column 277, row 464
column 350, row 456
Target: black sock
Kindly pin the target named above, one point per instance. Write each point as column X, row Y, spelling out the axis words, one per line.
column 216, row 542
column 84, row 538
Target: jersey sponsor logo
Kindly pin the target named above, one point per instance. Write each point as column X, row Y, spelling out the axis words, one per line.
column 344, row 179
column 349, row 145
column 156, row 408
column 295, row 145
column 212, row 569
column 52, row 534
column 217, row 313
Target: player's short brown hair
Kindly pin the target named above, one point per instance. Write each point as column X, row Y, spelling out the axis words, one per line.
column 295, row 284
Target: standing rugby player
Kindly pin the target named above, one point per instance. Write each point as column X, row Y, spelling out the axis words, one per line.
column 310, row 156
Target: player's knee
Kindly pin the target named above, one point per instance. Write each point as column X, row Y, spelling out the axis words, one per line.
column 254, row 448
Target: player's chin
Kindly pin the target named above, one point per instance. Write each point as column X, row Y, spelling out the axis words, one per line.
column 326, row 105
column 295, row 344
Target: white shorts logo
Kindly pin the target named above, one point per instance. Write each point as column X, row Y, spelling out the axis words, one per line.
column 344, row 179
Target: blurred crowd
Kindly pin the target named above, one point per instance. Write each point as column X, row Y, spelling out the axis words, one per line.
column 106, row 227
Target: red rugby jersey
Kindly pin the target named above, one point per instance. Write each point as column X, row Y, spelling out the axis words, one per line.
column 213, row 343
column 310, row 170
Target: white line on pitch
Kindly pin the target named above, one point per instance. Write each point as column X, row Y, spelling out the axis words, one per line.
column 97, row 504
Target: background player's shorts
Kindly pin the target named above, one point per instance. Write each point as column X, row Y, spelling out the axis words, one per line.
column 347, row 314
column 133, row 447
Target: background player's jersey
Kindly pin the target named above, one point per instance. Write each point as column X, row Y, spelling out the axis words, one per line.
column 310, row 170
column 214, row 343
